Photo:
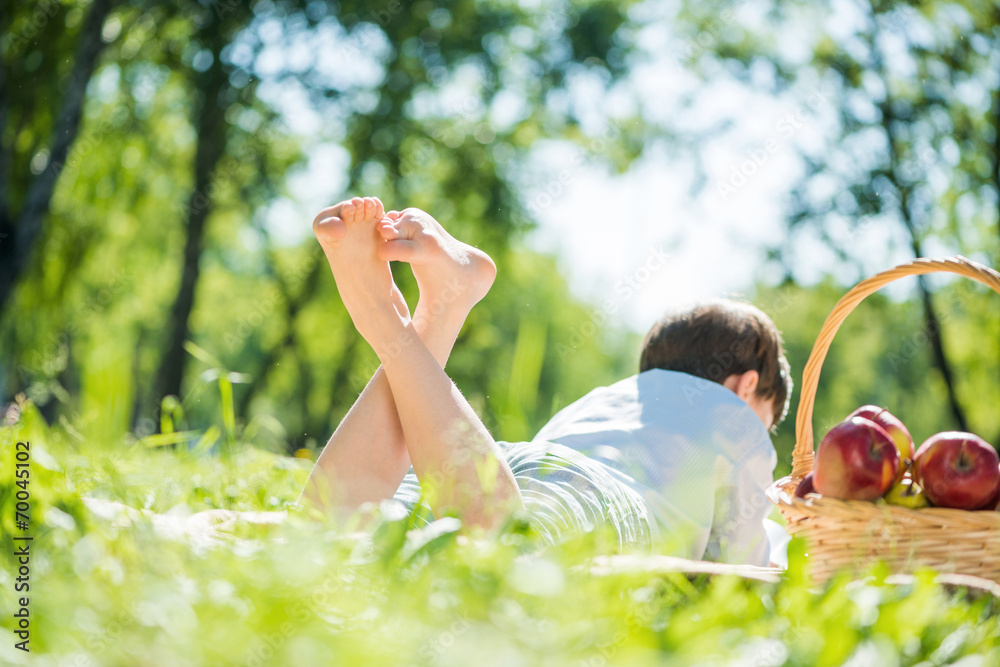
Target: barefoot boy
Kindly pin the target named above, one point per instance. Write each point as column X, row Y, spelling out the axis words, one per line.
column 677, row 456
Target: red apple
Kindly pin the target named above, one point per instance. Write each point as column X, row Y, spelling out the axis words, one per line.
column 995, row 503
column 856, row 460
column 805, row 486
column 957, row 470
column 892, row 425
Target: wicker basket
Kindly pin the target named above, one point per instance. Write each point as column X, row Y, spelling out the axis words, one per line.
column 851, row 534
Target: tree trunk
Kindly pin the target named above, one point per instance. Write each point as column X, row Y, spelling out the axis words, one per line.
column 211, row 130
column 18, row 240
column 932, row 323
column 292, row 307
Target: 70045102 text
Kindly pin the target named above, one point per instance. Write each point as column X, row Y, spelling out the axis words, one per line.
column 22, row 544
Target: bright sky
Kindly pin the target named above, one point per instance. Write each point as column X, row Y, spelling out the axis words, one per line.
column 610, row 231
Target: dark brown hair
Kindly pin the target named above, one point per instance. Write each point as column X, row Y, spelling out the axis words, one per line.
column 721, row 338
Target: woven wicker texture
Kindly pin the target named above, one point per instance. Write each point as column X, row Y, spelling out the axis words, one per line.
column 850, row 534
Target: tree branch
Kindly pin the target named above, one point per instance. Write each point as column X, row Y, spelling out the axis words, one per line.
column 211, row 132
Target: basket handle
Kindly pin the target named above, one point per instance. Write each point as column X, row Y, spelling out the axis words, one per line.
column 802, row 455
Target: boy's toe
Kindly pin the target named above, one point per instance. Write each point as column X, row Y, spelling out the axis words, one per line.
column 409, row 227
column 397, row 251
column 329, row 229
column 368, row 211
column 387, row 230
column 329, row 212
column 349, row 211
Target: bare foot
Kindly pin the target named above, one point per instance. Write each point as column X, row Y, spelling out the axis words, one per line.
column 349, row 238
column 451, row 275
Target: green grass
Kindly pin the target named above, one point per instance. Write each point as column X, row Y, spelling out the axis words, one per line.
column 308, row 593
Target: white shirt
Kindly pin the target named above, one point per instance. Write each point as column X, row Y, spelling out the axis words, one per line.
column 699, row 457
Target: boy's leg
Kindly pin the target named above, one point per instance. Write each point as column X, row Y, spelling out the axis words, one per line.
column 459, row 468
column 366, row 457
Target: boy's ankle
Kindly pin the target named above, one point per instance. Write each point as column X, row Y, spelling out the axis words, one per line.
column 446, row 323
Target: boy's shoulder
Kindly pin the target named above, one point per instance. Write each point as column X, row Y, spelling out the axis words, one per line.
column 664, row 390
column 691, row 389
column 659, row 406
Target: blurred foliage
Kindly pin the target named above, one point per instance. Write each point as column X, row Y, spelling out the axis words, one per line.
column 90, row 332
column 115, row 592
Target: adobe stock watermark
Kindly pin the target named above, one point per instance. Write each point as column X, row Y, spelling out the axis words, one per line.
column 707, row 38
column 900, row 18
column 83, row 145
column 724, row 362
column 908, row 347
column 888, row 201
column 223, row 8
column 450, row 479
column 44, row 11
column 502, row 420
column 640, row 616
column 386, row 14
column 360, row 43
column 784, row 129
column 911, row 345
column 367, row 36
column 912, row 169
column 361, row 376
column 49, row 360
column 556, row 186
column 262, row 310
column 628, row 286
column 463, row 118
column 226, row 172
column 644, row 616
column 445, row 639
column 453, row 289
column 265, row 649
column 109, row 636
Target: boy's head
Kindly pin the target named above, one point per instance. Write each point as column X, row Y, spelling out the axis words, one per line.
column 729, row 342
